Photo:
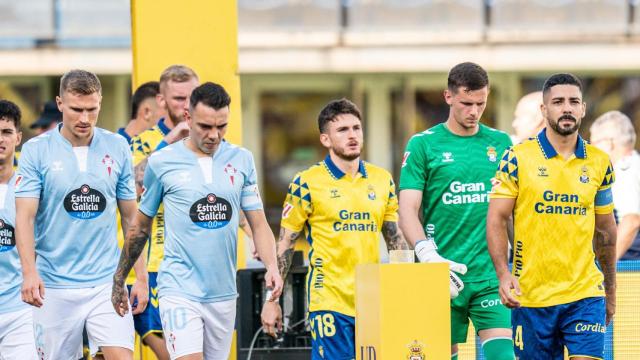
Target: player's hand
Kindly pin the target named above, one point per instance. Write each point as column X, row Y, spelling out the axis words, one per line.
column 508, row 286
column 119, row 297
column 32, row 289
column 271, row 318
column 273, row 281
column 611, row 306
column 426, row 252
column 179, row 132
column 139, row 297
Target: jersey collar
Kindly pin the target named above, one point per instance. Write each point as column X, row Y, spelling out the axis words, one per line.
column 548, row 151
column 337, row 173
column 163, row 127
column 124, row 134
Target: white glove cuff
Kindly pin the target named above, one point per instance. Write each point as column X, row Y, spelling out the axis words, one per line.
column 424, row 248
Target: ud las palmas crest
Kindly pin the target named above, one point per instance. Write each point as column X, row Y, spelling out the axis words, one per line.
column 415, row 351
column 492, row 155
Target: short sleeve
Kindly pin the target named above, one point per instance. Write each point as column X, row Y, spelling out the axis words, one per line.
column 250, row 196
column 29, row 180
column 505, row 183
column 297, row 205
column 126, row 187
column 413, row 173
column 604, row 197
column 152, row 192
column 391, row 211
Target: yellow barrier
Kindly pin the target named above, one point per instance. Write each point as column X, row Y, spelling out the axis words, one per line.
column 400, row 318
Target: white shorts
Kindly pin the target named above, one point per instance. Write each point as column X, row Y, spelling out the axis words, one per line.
column 191, row 327
column 17, row 340
column 66, row 312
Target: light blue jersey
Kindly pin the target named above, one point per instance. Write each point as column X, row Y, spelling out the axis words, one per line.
column 202, row 199
column 11, row 279
column 75, row 227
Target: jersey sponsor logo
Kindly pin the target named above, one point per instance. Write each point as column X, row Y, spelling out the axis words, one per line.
column 286, row 210
column 487, row 303
column 597, row 327
column 405, row 157
column 447, row 156
column 56, row 166
column 108, row 163
column 465, row 193
column 85, row 203
column 492, row 154
column 7, row 236
column 334, row 193
column 358, row 221
column 517, row 258
column 542, row 171
column 318, row 281
column 584, row 175
column 231, row 172
column 211, row 212
column 560, row 204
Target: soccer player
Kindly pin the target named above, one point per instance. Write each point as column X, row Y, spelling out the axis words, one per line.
column 145, row 110
column 613, row 133
column 17, row 339
column 558, row 188
column 447, row 172
column 341, row 204
column 175, row 86
column 203, row 182
column 69, row 183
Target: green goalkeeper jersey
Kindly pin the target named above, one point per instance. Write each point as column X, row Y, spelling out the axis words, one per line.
column 454, row 174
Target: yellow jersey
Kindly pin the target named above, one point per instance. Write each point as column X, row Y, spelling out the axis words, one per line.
column 554, row 218
column 342, row 217
column 142, row 146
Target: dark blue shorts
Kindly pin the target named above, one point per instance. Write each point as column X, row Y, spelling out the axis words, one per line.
column 542, row 333
column 332, row 336
column 148, row 322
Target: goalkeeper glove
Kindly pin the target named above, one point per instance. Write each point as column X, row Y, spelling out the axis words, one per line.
column 426, row 253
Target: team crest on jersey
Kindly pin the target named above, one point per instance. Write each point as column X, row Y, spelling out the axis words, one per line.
column 405, row 157
column 231, row 172
column 492, row 155
column 542, row 171
column 584, row 176
column 447, row 156
column 415, row 351
column 108, row 163
column 372, row 193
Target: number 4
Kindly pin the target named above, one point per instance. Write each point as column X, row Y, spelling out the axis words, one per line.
column 517, row 341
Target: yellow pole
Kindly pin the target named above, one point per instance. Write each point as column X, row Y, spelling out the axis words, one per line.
column 199, row 34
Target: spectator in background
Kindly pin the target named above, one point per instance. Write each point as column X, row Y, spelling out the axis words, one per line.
column 145, row 110
column 528, row 120
column 49, row 118
column 613, row 132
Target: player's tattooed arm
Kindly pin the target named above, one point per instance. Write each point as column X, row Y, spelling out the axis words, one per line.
column 136, row 238
column 284, row 248
column 393, row 236
column 604, row 246
column 138, row 172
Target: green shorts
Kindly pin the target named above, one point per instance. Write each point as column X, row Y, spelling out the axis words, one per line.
column 480, row 302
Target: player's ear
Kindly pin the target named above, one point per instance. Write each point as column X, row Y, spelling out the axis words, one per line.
column 324, row 140
column 448, row 96
column 19, row 136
